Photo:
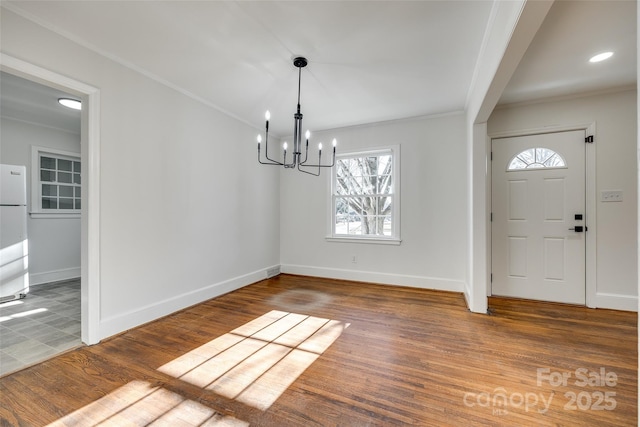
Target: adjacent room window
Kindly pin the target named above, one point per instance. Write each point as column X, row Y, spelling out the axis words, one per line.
column 536, row 158
column 365, row 196
column 56, row 181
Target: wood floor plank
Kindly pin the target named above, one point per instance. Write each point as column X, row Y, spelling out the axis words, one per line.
column 402, row 356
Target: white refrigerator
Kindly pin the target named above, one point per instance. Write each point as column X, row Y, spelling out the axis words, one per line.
column 14, row 245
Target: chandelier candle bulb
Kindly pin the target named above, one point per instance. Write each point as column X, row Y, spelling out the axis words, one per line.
column 259, row 139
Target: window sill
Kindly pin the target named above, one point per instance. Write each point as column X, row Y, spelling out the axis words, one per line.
column 52, row 215
column 369, row 240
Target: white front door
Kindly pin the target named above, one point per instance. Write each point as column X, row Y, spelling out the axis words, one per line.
column 538, row 207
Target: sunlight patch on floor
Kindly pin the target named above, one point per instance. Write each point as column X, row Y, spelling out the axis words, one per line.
column 22, row 314
column 255, row 363
column 138, row 403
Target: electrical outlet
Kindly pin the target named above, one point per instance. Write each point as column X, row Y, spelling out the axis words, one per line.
column 611, row 196
column 354, row 259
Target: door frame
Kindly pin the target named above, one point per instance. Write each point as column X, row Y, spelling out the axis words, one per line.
column 590, row 201
column 90, row 213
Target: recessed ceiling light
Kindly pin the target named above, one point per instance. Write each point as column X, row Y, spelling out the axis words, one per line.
column 71, row 103
column 601, row 57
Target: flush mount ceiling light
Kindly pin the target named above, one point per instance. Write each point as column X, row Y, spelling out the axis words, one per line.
column 601, row 57
column 296, row 161
column 70, row 103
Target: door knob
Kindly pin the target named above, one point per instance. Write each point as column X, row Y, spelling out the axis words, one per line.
column 577, row 229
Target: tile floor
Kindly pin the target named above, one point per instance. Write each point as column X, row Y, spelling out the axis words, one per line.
column 43, row 324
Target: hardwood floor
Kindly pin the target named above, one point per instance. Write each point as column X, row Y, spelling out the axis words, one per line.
column 300, row 351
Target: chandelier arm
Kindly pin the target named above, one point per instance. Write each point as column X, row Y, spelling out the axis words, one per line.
column 293, row 161
column 310, row 173
column 306, row 153
column 316, row 166
column 268, row 163
column 266, row 151
column 319, row 161
column 319, row 165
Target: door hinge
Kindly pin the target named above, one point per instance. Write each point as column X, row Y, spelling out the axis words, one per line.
column 589, row 139
column 491, row 217
column 492, row 156
column 491, row 278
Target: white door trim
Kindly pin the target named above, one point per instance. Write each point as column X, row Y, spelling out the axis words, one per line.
column 590, row 201
column 90, row 154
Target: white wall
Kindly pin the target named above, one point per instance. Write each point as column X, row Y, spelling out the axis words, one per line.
column 54, row 244
column 615, row 142
column 511, row 27
column 433, row 215
column 186, row 213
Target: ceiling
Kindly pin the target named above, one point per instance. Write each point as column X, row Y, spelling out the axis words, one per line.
column 556, row 62
column 28, row 101
column 368, row 61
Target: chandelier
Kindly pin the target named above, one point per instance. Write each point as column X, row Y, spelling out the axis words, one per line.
column 296, row 159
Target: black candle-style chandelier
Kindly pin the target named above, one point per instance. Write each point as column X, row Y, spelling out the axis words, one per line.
column 296, row 161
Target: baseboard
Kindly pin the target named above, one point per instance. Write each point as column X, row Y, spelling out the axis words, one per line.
column 467, row 296
column 54, row 276
column 116, row 324
column 376, row 277
column 616, row 302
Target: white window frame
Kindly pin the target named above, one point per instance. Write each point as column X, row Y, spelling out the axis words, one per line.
column 36, row 184
column 394, row 239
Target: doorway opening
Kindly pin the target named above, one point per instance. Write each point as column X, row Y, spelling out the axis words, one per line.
column 41, row 317
column 90, row 188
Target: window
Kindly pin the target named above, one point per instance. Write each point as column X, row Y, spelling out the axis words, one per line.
column 365, row 197
column 536, row 158
column 55, row 182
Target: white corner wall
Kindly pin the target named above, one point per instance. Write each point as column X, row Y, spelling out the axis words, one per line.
column 54, row 243
column 512, row 26
column 615, row 119
column 186, row 213
column 433, row 210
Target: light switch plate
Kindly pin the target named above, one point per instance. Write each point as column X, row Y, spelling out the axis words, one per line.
column 611, row 196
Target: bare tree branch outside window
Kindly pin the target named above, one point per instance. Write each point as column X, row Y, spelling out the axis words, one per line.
column 364, row 195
